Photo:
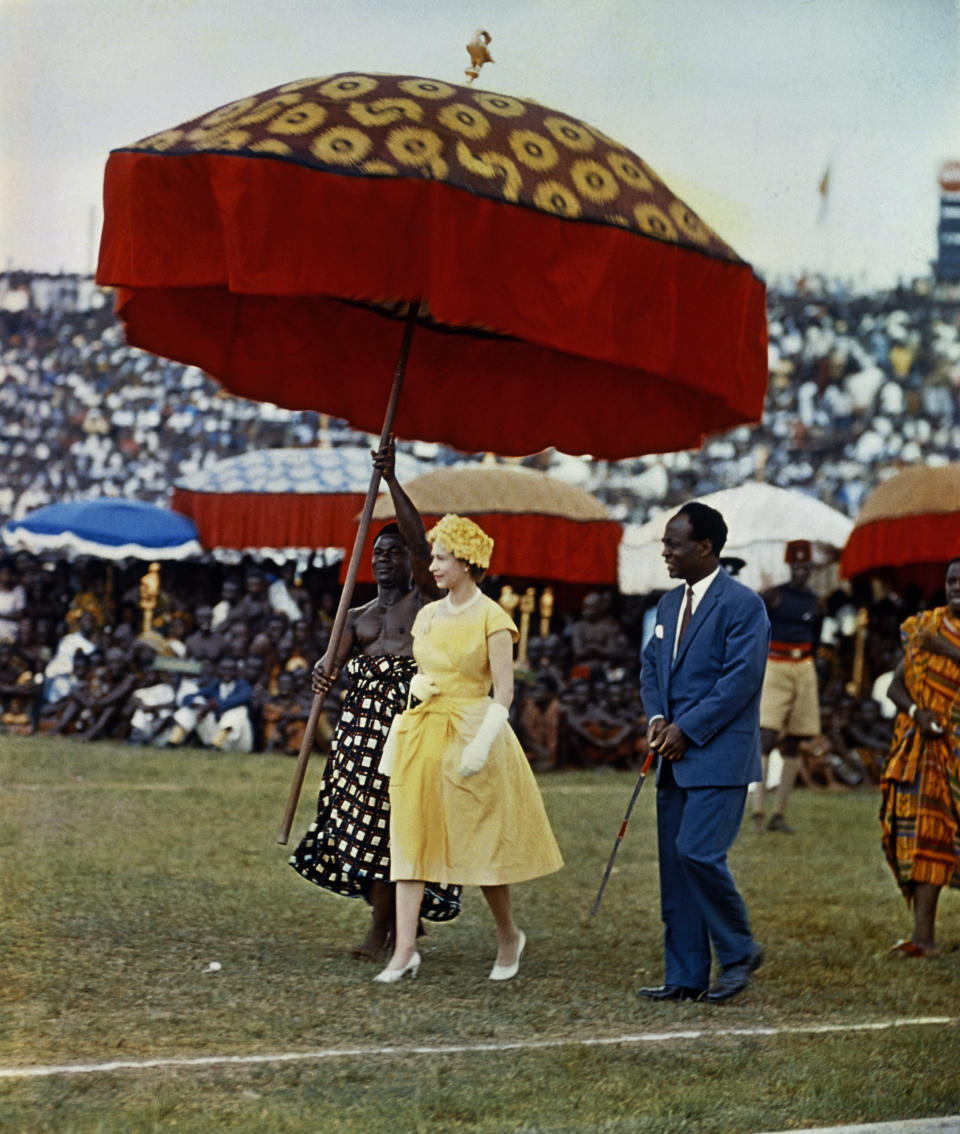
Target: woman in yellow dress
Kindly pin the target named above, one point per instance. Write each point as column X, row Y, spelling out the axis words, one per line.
column 464, row 806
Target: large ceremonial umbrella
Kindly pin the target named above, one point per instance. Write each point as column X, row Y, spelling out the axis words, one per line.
column 760, row 520
column 282, row 498
column 562, row 294
column 908, row 528
column 108, row 528
column 542, row 527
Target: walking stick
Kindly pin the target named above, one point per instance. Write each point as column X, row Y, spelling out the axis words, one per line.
column 340, row 620
column 623, row 829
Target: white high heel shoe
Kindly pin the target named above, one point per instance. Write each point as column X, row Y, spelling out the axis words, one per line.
column 390, row 976
column 508, row 972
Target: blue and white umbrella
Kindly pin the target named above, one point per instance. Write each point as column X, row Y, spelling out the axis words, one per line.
column 108, row 528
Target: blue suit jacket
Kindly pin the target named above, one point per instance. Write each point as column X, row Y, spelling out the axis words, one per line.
column 242, row 694
column 712, row 691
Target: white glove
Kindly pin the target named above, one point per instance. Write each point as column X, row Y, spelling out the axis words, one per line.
column 475, row 753
column 423, row 687
column 388, row 754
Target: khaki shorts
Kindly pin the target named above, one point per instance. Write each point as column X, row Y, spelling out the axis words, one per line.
column 789, row 701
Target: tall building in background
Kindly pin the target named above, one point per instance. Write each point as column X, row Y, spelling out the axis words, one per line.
column 947, row 267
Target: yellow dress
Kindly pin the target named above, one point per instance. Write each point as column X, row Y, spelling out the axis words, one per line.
column 483, row 830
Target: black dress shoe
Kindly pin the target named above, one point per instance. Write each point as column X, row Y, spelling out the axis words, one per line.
column 671, row 992
column 735, row 978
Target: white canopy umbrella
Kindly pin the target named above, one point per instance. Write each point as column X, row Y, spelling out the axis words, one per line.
column 761, row 519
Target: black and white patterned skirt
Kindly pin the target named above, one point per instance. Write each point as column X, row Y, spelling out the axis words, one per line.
column 348, row 844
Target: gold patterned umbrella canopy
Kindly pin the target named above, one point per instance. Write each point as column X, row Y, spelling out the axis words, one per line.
column 908, row 528
column 566, row 296
column 542, row 527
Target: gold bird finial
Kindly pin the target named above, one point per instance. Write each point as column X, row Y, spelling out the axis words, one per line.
column 477, row 48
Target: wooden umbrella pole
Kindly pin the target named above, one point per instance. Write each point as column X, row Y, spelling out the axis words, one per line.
column 359, row 543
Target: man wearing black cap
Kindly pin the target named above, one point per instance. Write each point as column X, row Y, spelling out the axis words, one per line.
column 789, row 705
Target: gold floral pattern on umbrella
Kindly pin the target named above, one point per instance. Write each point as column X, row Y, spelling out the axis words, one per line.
column 267, row 240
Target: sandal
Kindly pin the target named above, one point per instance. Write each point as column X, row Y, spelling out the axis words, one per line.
column 908, row 948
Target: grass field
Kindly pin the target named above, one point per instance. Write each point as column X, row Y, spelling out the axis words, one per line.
column 125, row 873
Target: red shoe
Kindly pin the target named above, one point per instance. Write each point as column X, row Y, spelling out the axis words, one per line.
column 908, row 948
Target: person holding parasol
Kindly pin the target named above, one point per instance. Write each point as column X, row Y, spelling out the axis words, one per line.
column 346, row 848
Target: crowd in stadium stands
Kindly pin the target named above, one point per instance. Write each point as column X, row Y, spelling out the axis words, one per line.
column 227, row 657
column 860, row 385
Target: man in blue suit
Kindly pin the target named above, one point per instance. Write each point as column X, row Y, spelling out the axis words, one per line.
column 702, row 675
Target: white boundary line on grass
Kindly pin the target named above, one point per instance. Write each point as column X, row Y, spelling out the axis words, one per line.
column 459, row 1049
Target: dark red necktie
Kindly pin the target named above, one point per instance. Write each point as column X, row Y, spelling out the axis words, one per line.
column 687, row 615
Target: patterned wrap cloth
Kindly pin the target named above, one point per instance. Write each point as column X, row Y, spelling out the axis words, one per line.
column 347, row 846
column 920, row 807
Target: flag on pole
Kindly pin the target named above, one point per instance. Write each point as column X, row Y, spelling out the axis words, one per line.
column 823, row 189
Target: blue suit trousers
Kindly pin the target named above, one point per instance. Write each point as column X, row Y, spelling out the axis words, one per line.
column 699, row 901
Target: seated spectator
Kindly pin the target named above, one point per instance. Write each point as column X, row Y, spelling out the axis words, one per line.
column 84, row 638
column 178, row 627
column 267, row 644
column 253, row 607
column 239, row 636
column 618, row 705
column 539, row 724
column 107, row 695
column 152, row 706
column 13, row 600
column 593, row 736
column 592, row 637
column 62, row 711
column 29, row 648
column 219, row 712
column 285, row 716
column 847, row 765
column 90, row 598
column 297, row 649
column 252, row 669
column 869, row 735
column 19, row 693
column 205, row 642
column 229, row 594
column 281, row 590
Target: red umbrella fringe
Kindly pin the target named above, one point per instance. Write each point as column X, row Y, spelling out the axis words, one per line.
column 602, row 312
column 906, row 541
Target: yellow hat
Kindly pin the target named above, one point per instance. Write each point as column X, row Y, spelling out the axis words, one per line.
column 464, row 539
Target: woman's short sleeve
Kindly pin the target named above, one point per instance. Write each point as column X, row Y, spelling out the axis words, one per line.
column 498, row 619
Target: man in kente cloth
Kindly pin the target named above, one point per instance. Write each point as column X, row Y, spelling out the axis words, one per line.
column 346, row 849
column 920, row 807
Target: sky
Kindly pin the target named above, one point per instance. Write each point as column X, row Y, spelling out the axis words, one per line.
column 741, row 106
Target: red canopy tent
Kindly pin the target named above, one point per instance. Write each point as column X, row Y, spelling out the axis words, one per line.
column 542, row 528
column 908, row 528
